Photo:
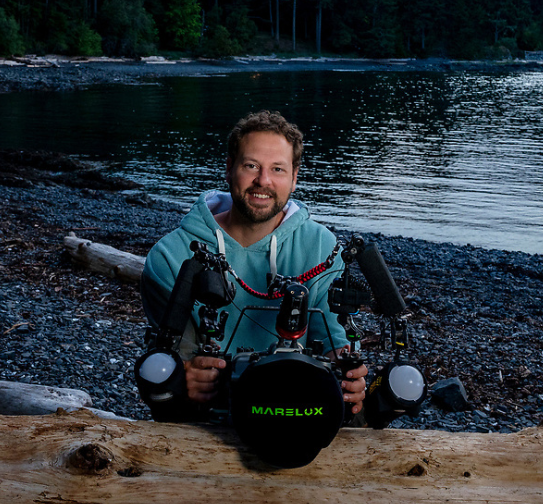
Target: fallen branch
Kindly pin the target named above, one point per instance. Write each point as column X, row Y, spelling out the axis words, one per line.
column 16, row 326
column 105, row 259
column 79, row 458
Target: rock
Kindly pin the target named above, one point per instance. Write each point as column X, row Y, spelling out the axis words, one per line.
column 450, row 394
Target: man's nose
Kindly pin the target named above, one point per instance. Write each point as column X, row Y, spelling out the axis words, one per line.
column 263, row 177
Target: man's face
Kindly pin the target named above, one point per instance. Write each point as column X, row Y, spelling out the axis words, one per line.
column 262, row 177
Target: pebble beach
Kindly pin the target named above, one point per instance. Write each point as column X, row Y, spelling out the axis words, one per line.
column 472, row 313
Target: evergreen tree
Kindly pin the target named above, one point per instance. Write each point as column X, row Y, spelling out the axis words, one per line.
column 11, row 40
column 241, row 27
column 217, row 41
column 179, row 23
column 422, row 23
column 127, row 29
column 382, row 36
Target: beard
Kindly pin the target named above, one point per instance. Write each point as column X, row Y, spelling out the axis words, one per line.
column 257, row 215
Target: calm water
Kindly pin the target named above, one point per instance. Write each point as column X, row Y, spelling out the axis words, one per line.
column 454, row 157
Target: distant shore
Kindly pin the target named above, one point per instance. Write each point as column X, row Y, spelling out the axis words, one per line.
column 55, row 73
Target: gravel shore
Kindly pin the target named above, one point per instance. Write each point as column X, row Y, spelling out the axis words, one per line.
column 54, row 73
column 474, row 314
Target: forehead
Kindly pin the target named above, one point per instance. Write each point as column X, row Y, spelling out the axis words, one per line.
column 266, row 146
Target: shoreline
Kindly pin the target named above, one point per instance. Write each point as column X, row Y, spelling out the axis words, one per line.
column 55, row 73
column 473, row 313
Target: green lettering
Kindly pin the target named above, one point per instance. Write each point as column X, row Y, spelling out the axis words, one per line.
column 260, row 410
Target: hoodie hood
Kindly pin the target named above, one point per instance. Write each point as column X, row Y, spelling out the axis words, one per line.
column 218, row 202
column 214, row 202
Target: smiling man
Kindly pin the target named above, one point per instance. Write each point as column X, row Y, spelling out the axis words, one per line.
column 261, row 176
column 260, row 230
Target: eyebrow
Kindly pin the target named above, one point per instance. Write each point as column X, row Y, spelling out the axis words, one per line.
column 254, row 160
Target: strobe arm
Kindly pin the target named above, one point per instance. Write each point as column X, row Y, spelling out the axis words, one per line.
column 181, row 302
column 372, row 265
column 398, row 388
column 160, row 373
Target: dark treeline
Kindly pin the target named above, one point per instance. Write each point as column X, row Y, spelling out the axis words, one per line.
column 219, row 28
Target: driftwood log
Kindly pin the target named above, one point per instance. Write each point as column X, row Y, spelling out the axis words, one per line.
column 29, row 399
column 105, row 259
column 79, row 458
column 26, row 399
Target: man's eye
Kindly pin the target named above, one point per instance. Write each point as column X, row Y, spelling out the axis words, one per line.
column 251, row 166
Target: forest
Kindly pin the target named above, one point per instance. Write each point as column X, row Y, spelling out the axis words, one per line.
column 462, row 29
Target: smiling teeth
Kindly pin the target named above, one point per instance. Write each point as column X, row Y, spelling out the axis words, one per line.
column 261, row 196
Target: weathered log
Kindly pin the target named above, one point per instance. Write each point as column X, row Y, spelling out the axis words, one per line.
column 78, row 458
column 26, row 399
column 35, row 61
column 29, row 399
column 105, row 259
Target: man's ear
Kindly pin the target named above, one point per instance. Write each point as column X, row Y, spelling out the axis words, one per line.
column 228, row 174
column 295, row 177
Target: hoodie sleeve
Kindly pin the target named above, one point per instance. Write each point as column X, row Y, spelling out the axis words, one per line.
column 159, row 273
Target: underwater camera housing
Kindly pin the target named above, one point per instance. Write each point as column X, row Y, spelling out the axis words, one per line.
column 286, row 402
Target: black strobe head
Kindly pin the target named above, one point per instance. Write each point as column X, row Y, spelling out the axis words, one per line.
column 287, row 407
column 160, row 376
column 397, row 389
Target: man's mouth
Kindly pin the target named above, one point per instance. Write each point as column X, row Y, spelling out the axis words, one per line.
column 260, row 196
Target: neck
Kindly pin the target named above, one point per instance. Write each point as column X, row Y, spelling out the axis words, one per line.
column 243, row 231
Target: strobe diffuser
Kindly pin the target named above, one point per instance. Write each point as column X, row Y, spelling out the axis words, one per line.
column 397, row 389
column 160, row 376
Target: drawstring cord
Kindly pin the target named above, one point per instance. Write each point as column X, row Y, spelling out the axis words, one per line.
column 303, row 278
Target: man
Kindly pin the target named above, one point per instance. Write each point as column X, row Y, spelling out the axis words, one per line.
column 260, row 230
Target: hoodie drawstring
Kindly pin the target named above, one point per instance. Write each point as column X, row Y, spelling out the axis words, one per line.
column 273, row 250
column 220, row 241
column 273, row 257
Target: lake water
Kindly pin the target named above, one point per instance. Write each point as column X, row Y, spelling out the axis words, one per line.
column 447, row 157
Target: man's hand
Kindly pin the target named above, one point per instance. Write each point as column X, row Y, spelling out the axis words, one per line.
column 354, row 386
column 202, row 375
column 354, row 391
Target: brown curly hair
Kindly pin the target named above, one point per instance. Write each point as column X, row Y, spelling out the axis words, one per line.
column 267, row 121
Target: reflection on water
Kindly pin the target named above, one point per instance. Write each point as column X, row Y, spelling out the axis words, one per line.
column 439, row 156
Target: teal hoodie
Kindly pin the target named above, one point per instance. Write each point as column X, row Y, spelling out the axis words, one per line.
column 295, row 247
